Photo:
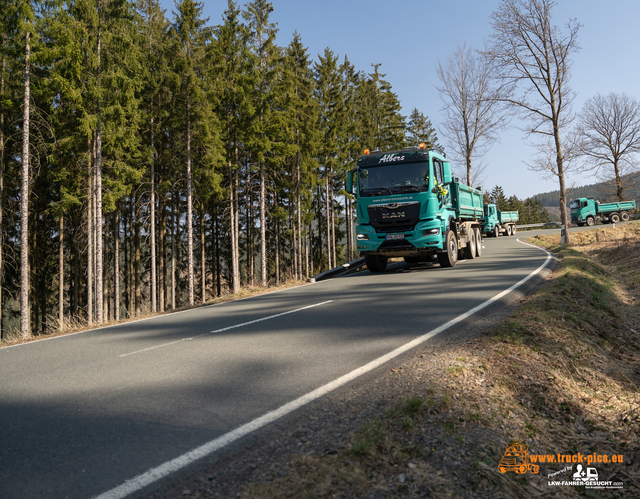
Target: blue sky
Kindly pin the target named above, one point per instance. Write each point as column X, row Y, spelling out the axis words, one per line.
column 408, row 37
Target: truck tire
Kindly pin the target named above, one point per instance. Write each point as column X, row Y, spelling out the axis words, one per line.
column 470, row 248
column 513, row 230
column 478, row 242
column 496, row 231
column 508, row 230
column 375, row 263
column 625, row 216
column 590, row 221
column 449, row 257
column 615, row 218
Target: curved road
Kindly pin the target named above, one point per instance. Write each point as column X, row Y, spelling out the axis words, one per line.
column 82, row 414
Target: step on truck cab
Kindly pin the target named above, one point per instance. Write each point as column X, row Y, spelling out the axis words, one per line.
column 409, row 205
column 588, row 211
column 496, row 222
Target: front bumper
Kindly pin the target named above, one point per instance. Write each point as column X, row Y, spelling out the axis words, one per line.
column 425, row 238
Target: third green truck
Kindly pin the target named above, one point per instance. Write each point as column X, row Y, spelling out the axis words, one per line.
column 587, row 211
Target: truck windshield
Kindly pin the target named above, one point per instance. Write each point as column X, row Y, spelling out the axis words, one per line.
column 394, row 179
column 574, row 205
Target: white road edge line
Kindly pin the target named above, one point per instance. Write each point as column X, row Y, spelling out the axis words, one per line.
column 155, row 474
column 226, row 328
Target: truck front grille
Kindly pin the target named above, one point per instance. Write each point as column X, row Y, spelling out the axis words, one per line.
column 394, row 217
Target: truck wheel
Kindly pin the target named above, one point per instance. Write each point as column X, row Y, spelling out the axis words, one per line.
column 615, row 218
column 624, row 216
column 449, row 258
column 513, row 230
column 478, row 242
column 590, row 221
column 508, row 230
column 496, row 231
column 470, row 248
column 375, row 263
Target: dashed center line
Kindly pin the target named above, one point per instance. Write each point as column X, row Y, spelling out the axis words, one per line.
column 227, row 328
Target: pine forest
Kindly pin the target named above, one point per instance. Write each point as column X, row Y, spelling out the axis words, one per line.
column 151, row 161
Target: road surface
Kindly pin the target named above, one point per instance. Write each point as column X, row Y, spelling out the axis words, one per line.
column 91, row 413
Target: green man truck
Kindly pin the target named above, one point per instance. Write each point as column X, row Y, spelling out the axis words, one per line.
column 409, row 205
column 588, row 211
column 498, row 222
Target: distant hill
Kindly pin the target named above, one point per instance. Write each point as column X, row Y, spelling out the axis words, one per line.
column 602, row 191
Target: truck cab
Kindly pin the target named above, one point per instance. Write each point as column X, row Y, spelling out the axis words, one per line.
column 583, row 211
column 490, row 219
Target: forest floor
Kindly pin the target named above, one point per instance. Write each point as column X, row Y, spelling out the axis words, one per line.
column 72, row 326
column 559, row 372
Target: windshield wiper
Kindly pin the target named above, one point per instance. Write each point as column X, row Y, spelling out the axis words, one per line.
column 412, row 187
column 377, row 190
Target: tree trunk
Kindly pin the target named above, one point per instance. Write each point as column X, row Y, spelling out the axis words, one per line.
column 116, row 265
column 2, row 139
column 263, row 228
column 236, row 219
column 61, row 274
column 98, row 207
column 25, row 331
column 216, row 238
column 152, row 236
column 126, row 244
column 137, row 257
column 328, row 219
column 203, row 267
column 559, row 160
column 299, row 213
column 191, row 276
column 173, row 250
column 163, row 254
column 77, row 272
column 235, row 285
column 90, row 254
column 618, row 180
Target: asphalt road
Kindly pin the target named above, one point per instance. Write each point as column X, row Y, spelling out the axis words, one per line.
column 82, row 414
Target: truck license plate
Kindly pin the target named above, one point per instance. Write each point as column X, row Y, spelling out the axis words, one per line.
column 395, row 237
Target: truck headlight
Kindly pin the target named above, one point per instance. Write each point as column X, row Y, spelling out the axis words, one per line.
column 362, row 237
column 430, row 232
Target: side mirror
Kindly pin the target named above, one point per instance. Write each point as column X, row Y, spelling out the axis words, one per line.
column 446, row 173
column 349, row 187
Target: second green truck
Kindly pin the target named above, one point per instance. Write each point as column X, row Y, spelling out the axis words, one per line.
column 498, row 222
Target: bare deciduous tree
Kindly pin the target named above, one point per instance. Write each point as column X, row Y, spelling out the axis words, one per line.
column 532, row 57
column 610, row 132
column 473, row 109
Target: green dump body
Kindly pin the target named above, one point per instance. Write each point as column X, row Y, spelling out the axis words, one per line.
column 604, row 208
column 466, row 201
column 508, row 217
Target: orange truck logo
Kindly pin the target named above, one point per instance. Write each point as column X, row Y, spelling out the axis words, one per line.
column 516, row 458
